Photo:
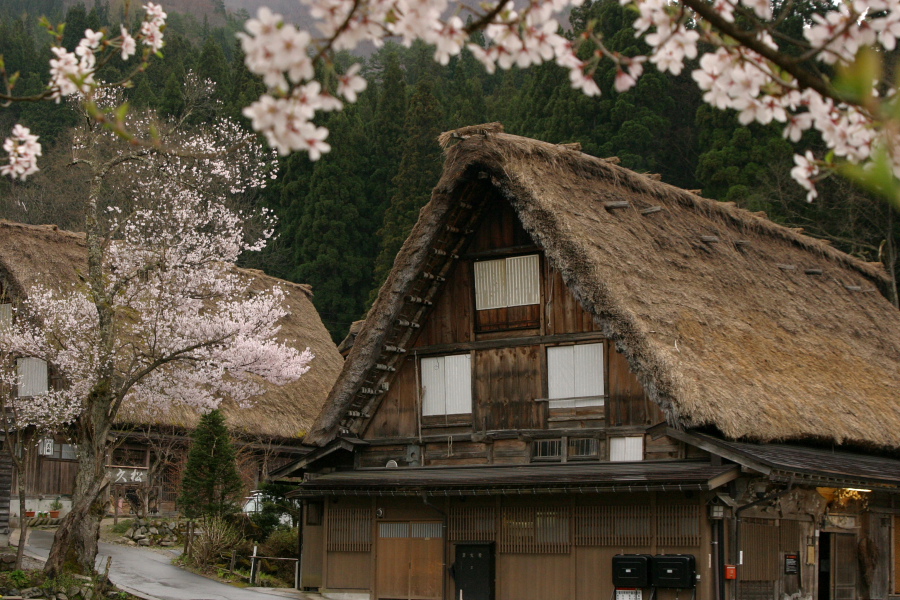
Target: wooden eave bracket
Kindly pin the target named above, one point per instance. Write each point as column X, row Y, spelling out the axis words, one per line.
column 719, row 450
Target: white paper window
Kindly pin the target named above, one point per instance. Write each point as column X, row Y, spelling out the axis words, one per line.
column 447, row 385
column 507, row 282
column 626, row 449
column 5, row 315
column 32, row 376
column 575, row 376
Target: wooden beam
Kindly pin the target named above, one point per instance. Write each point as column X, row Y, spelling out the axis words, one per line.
column 503, row 251
column 531, row 340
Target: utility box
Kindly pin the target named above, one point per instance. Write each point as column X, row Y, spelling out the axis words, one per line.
column 631, row 570
column 673, row 571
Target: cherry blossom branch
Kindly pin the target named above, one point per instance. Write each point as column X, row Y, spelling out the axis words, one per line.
column 750, row 40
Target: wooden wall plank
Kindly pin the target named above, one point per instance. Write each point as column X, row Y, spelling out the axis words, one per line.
column 628, row 402
column 349, row 570
column 397, row 413
column 507, row 381
column 562, row 312
column 449, row 320
column 534, row 576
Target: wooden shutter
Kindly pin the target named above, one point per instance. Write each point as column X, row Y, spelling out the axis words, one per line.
column 434, row 400
column 447, row 384
column 490, row 284
column 575, row 376
column 523, row 280
column 588, row 360
column 458, row 384
column 32, row 376
column 5, row 315
column 623, row 449
column 561, row 372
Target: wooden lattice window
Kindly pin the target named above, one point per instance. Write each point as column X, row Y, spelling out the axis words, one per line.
column 678, row 525
column 583, row 448
column 759, row 541
column 613, row 525
column 477, row 524
column 550, row 450
column 349, row 530
column 535, row 530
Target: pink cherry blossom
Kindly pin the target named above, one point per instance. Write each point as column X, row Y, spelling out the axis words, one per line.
column 23, row 148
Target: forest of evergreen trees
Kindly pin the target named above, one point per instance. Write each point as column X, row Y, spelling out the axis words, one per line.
column 343, row 218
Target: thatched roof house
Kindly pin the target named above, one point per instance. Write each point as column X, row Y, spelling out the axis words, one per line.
column 44, row 254
column 731, row 322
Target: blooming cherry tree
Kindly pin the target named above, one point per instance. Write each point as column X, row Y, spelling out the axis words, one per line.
column 163, row 316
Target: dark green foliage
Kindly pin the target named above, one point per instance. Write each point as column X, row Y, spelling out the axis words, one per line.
column 281, row 543
column 420, row 168
column 334, row 239
column 275, row 506
column 211, row 486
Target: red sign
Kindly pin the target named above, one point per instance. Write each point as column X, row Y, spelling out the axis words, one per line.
column 730, row 572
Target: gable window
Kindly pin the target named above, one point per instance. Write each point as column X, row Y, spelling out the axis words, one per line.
column 32, row 376
column 513, row 281
column 626, row 448
column 575, row 376
column 447, row 385
column 507, row 293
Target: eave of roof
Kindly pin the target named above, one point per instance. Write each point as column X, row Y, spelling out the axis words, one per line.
column 523, row 479
column 804, row 465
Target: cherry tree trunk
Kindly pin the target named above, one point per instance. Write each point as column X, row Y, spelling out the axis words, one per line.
column 74, row 547
column 23, row 520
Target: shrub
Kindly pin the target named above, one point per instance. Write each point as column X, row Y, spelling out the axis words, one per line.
column 216, row 539
column 282, row 543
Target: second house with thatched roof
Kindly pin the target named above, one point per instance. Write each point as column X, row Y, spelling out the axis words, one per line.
column 578, row 382
column 145, row 466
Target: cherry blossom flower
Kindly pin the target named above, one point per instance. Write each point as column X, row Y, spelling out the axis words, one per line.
column 127, row 45
column 804, row 172
column 23, row 149
column 351, row 83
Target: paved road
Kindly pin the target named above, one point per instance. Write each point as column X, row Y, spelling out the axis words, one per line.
column 151, row 574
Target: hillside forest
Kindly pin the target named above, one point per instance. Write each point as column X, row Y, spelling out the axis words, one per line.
column 343, row 218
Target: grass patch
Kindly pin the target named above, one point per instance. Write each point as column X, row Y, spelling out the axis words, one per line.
column 122, row 526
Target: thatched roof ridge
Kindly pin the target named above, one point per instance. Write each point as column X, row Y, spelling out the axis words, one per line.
column 729, row 320
column 44, row 254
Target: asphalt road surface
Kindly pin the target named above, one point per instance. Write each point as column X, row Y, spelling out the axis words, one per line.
column 150, row 574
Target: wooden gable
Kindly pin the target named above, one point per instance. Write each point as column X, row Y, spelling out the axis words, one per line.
column 508, row 351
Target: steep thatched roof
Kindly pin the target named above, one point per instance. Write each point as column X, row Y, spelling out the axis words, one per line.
column 44, row 254
column 729, row 320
